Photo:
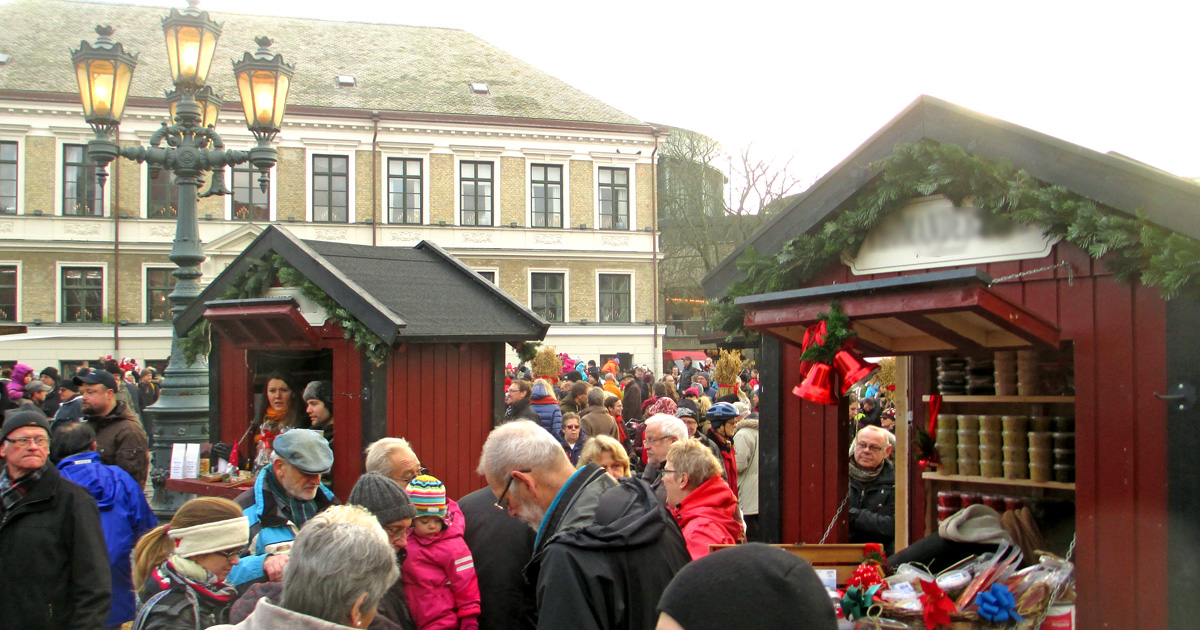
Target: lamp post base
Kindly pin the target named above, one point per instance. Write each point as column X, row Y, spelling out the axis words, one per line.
column 181, row 415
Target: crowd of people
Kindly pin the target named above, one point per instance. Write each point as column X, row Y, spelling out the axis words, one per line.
column 597, row 501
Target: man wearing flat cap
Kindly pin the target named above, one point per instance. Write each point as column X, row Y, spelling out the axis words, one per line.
column 120, row 438
column 286, row 494
column 54, row 569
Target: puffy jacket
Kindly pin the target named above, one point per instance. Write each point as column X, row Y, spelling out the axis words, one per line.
column 604, row 553
column 170, row 601
column 268, row 616
column 439, row 578
column 16, row 385
column 69, row 411
column 745, row 445
column 270, row 525
column 708, row 516
column 549, row 414
column 873, row 509
column 121, row 441
column 124, row 516
column 273, row 593
column 53, row 563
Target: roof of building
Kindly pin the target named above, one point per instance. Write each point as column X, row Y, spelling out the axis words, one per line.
column 396, row 68
column 422, row 294
column 1120, row 183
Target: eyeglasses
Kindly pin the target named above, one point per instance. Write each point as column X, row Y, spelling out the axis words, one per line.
column 232, row 554
column 569, row 427
column 396, row 531
column 650, row 439
column 869, row 447
column 407, row 477
column 24, row 442
column 668, row 470
column 500, row 503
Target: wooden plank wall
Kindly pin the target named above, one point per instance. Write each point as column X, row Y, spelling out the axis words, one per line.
column 1120, row 344
column 440, row 399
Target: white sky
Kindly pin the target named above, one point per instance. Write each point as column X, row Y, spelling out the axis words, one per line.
column 813, row 80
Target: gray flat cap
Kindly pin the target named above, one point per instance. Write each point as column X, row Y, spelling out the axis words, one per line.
column 305, row 449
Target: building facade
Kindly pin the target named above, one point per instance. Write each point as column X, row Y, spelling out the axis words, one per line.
column 432, row 134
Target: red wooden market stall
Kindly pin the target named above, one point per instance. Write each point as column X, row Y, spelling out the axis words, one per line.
column 434, row 378
column 931, row 278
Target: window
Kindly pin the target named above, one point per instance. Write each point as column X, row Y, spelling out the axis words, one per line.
column 8, row 177
column 82, row 294
column 162, row 195
column 614, row 298
column 331, row 186
column 546, row 184
column 249, row 203
column 81, row 195
column 490, row 276
column 8, row 293
column 546, row 296
column 159, row 284
column 614, row 198
column 404, row 191
column 475, row 199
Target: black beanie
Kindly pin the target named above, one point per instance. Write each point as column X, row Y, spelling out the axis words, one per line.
column 382, row 497
column 784, row 589
column 26, row 415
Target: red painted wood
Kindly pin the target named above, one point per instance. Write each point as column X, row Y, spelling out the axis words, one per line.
column 237, row 398
column 347, row 427
column 1150, row 350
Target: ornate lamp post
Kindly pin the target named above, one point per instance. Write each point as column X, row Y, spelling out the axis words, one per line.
column 104, row 70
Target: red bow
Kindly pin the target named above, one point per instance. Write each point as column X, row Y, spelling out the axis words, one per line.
column 937, row 605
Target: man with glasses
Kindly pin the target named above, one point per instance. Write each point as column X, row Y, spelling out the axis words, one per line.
column 872, row 499
column 395, row 459
column 591, row 530
column 54, row 569
column 388, row 501
column 517, row 397
column 662, row 430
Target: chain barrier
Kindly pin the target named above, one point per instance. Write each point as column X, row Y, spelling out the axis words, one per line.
column 1070, row 274
column 835, row 518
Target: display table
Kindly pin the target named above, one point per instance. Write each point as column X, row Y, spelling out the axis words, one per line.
column 206, row 489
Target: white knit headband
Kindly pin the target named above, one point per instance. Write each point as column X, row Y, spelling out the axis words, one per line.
column 210, row 537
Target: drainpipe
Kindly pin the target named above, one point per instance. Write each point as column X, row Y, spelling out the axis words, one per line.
column 116, row 205
column 654, row 239
column 375, row 179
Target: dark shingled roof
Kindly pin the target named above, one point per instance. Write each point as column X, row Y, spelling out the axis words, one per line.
column 1117, row 182
column 422, row 294
column 398, row 68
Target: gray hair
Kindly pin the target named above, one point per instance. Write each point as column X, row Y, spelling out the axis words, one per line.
column 520, row 445
column 596, row 396
column 333, row 564
column 381, row 454
column 669, row 425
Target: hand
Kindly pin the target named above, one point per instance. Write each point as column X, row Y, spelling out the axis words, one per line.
column 273, row 566
column 853, row 515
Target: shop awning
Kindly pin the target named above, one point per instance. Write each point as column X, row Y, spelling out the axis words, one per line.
column 924, row 313
column 262, row 324
column 679, row 355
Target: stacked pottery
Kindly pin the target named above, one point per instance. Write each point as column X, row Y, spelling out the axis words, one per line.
column 981, row 377
column 952, row 376
column 1028, row 377
column 991, row 462
column 946, row 443
column 1005, row 373
column 1064, row 449
column 1041, row 454
column 968, row 445
column 1016, row 446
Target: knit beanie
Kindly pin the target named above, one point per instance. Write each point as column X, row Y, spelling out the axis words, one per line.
column 382, row 497
column 26, row 415
column 319, row 390
column 784, row 588
column 428, row 496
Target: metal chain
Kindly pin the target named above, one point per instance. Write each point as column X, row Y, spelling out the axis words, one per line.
column 1071, row 549
column 835, row 518
column 1070, row 274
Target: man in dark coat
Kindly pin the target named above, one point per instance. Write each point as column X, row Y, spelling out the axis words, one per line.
column 501, row 546
column 70, row 408
column 49, row 376
column 605, row 548
column 53, row 562
column 120, row 438
column 517, row 397
column 872, row 499
column 688, row 372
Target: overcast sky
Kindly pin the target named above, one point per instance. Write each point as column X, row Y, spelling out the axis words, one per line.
column 815, row 79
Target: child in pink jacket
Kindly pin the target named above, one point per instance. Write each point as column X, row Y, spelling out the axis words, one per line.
column 438, row 571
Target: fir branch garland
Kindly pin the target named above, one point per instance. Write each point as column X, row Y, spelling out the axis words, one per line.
column 1133, row 248
column 837, row 333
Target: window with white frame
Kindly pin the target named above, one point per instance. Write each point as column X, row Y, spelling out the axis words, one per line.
column 331, row 189
column 615, row 298
column 159, row 284
column 249, row 202
column 546, row 188
column 82, row 294
column 8, row 177
column 490, row 276
column 547, row 297
column 8, row 293
column 162, row 194
column 475, row 193
column 404, row 191
column 81, row 195
column 614, row 198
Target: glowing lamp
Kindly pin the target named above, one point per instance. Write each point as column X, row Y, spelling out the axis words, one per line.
column 191, row 39
column 209, row 101
column 263, row 80
column 104, row 71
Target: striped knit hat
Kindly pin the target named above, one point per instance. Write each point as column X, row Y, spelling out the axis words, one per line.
column 428, row 496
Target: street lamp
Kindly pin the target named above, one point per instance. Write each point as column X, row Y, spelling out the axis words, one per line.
column 104, row 71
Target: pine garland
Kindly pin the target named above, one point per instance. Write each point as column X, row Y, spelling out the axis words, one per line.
column 837, row 333
column 1132, row 247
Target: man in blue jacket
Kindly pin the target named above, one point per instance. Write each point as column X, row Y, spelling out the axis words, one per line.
column 124, row 513
column 286, row 494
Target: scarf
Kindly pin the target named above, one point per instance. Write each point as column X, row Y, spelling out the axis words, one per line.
column 11, row 490
column 862, row 474
column 181, row 572
column 298, row 511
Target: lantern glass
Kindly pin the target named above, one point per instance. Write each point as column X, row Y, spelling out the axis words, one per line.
column 211, row 110
column 103, row 87
column 264, row 97
column 189, row 53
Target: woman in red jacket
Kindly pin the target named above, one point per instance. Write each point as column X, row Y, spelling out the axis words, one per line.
column 699, row 499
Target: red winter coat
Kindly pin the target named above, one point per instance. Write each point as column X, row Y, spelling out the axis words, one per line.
column 439, row 578
column 708, row 516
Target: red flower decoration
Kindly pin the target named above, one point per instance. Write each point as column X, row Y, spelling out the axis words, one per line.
column 937, row 605
column 891, row 388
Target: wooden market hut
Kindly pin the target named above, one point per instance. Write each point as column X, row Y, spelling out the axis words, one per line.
column 1136, row 357
column 443, row 328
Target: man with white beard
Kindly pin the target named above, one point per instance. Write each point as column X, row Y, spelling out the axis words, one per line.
column 591, row 529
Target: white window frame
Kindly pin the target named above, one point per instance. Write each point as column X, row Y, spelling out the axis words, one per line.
column 547, row 157
column 403, row 151
column 20, row 284
column 17, row 133
column 81, row 136
column 632, row 294
column 144, row 194
column 245, row 143
column 310, row 154
column 496, row 272
column 615, row 160
column 146, row 267
column 463, row 153
column 58, row 289
column 566, row 273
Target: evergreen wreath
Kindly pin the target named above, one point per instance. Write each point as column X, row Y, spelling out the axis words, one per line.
column 1133, row 248
column 837, row 333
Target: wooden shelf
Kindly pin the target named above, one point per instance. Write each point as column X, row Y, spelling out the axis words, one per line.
column 998, row 481
column 1005, row 399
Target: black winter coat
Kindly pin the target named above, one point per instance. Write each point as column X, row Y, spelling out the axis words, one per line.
column 54, row 569
column 521, row 410
column 606, row 553
column 501, row 546
column 873, row 509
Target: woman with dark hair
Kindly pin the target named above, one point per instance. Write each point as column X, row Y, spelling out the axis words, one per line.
column 283, row 412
